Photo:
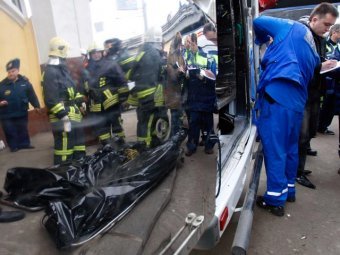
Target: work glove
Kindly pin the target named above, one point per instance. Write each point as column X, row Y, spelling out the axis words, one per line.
column 67, row 123
column 82, row 108
column 83, row 105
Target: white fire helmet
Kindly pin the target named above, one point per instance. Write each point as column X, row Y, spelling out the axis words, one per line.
column 58, row 47
column 94, row 46
column 153, row 35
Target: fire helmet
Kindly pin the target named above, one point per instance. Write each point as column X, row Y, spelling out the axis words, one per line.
column 58, row 47
column 94, row 47
column 153, row 35
column 113, row 46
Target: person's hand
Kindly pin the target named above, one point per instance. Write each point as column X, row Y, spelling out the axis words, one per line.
column 328, row 64
column 181, row 69
column 3, row 103
column 82, row 108
column 67, row 123
column 38, row 110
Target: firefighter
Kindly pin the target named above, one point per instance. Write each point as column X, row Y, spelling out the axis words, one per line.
column 63, row 103
column 147, row 95
column 108, row 90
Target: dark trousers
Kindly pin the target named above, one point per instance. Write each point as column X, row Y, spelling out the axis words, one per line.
column 308, row 131
column 327, row 112
column 16, row 132
column 68, row 145
column 176, row 120
column 107, row 123
column 199, row 121
column 148, row 121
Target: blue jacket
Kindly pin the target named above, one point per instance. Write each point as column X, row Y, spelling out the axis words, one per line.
column 289, row 62
column 18, row 94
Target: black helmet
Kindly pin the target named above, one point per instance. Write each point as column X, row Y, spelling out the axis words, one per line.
column 112, row 46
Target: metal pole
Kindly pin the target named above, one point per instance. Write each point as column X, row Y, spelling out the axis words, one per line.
column 242, row 235
column 145, row 17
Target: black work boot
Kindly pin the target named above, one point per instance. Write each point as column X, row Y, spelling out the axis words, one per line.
column 303, row 180
column 276, row 210
column 11, row 216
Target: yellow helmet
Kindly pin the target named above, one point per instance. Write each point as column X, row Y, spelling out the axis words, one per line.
column 94, row 47
column 58, row 47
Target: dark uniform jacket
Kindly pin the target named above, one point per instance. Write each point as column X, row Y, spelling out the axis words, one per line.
column 18, row 94
column 107, row 85
column 333, row 52
column 60, row 93
column 201, row 92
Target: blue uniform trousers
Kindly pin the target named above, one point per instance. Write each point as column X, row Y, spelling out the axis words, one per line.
column 279, row 129
column 16, row 132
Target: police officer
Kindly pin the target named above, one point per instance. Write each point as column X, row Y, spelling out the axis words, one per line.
column 201, row 99
column 15, row 93
column 108, row 90
column 147, row 95
column 328, row 104
column 63, row 102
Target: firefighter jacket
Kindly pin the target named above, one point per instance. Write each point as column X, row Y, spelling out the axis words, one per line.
column 60, row 93
column 107, row 85
column 18, row 94
column 126, row 62
column 201, row 94
column 147, row 75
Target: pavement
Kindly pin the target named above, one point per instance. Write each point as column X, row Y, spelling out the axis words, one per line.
column 311, row 225
column 189, row 188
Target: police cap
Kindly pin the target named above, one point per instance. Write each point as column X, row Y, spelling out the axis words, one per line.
column 14, row 63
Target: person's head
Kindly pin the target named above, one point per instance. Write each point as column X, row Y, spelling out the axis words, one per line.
column 58, row 47
column 112, row 46
column 95, row 51
column 154, row 36
column 12, row 68
column 209, row 31
column 322, row 18
column 177, row 42
column 334, row 33
column 194, row 47
column 187, row 42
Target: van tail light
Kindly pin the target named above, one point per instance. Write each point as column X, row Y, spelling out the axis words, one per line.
column 223, row 218
column 266, row 4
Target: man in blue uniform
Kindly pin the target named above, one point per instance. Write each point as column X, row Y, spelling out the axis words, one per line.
column 15, row 93
column 288, row 66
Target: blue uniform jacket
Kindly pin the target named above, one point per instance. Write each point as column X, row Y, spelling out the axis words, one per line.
column 289, row 59
column 18, row 94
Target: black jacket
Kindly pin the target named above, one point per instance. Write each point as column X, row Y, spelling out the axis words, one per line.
column 317, row 83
